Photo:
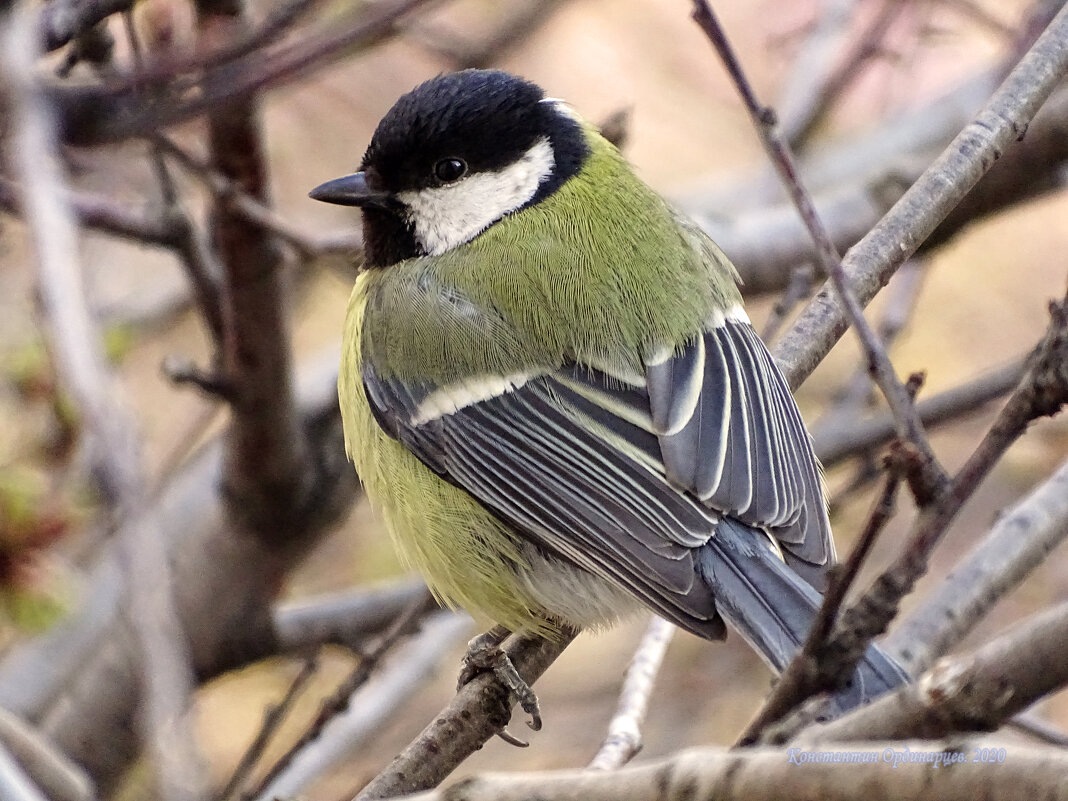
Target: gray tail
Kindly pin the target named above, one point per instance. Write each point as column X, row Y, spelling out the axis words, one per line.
column 772, row 608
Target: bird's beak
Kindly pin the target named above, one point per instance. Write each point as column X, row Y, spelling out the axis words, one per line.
column 351, row 190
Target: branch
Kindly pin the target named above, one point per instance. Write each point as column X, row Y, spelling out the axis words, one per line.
column 78, row 679
column 100, row 213
column 803, row 119
column 834, row 445
column 374, row 706
column 827, row 659
column 1016, row 545
column 347, row 618
column 95, row 115
column 624, row 738
column 15, row 785
column 974, row 692
column 273, row 719
column 931, row 479
column 518, row 25
column 62, row 20
column 268, row 475
column 871, row 263
column 856, row 183
column 338, row 702
column 886, row 771
column 50, row 770
column 256, row 212
column 114, row 450
column 801, row 96
column 479, row 710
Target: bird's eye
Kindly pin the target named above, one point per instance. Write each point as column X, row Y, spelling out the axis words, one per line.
column 449, row 170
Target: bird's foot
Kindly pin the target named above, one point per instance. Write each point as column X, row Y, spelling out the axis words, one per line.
column 484, row 654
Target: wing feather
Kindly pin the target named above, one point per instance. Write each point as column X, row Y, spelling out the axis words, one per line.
column 628, row 478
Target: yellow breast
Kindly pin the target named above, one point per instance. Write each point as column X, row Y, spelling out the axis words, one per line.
column 468, row 557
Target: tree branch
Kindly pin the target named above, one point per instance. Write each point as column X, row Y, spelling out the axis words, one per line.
column 887, row 771
column 931, row 479
column 624, row 739
column 974, row 692
column 846, row 439
column 872, row 261
column 1016, row 545
column 479, row 710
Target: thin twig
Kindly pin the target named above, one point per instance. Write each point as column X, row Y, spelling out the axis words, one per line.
column 624, row 738
column 377, row 705
column 1016, row 545
column 272, row 721
column 801, row 97
column 855, row 396
column 405, row 625
column 110, row 113
column 1043, row 391
column 824, row 662
column 253, row 210
column 972, row 692
column 865, row 48
column 932, row 479
column 200, row 264
column 851, row 438
column 871, row 262
column 102, row 214
column 518, row 25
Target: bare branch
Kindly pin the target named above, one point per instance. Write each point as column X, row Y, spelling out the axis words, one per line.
column 517, row 26
column 255, row 211
column 888, row 771
column 479, row 710
column 974, row 692
column 101, row 214
column 113, row 445
column 47, row 767
column 348, row 618
column 801, row 96
column 272, row 721
column 1015, row 546
column 931, row 478
column 827, row 659
column 834, row 445
column 63, row 20
column 79, row 680
column 410, row 668
column 105, row 114
column 404, row 626
column 268, row 475
column 798, row 127
column 15, row 785
column 624, row 738
column 871, row 263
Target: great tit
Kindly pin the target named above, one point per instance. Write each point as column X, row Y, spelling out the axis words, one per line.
column 553, row 395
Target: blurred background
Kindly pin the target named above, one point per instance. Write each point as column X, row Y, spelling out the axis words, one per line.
column 972, row 305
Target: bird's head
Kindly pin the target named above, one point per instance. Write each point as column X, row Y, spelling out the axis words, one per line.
column 454, row 156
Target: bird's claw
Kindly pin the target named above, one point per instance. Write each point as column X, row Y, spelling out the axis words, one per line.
column 484, row 654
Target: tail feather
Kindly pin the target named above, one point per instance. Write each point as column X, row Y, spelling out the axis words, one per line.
column 773, row 608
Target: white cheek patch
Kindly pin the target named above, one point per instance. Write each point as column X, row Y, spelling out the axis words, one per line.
column 445, row 217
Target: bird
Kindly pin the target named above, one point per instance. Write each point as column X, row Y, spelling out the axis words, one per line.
column 553, row 395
